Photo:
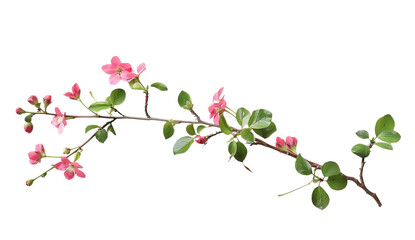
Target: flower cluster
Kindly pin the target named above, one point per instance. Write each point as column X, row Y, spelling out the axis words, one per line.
column 290, row 144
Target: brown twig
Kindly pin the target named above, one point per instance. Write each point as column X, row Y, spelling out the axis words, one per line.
column 146, row 104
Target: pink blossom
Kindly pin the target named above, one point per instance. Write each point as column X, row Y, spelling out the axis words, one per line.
column 28, row 127
column 280, row 143
column 59, row 121
column 200, row 139
column 75, row 94
column 33, row 100
column 119, row 71
column 20, row 111
column 291, row 142
column 37, row 155
column 47, row 100
column 217, row 107
column 70, row 168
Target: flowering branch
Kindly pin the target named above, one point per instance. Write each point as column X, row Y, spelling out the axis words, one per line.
column 254, row 127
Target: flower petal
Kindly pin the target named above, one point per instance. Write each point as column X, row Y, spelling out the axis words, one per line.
column 76, row 91
column 55, row 121
column 39, row 148
column 58, row 112
column 79, row 173
column 115, row 61
column 66, row 161
column 217, row 95
column 69, row 95
column 141, row 68
column 127, row 76
column 216, row 119
column 126, row 67
column 114, row 79
column 109, row 68
column 69, row 174
column 34, row 156
column 60, row 128
column 61, row 166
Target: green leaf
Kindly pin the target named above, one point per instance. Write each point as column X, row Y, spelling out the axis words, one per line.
column 337, row 182
column 385, row 123
column 361, row 150
column 383, row 145
column 241, row 152
column 330, row 169
column 28, row 118
column 302, row 166
column 168, row 130
column 200, row 128
column 135, row 84
column 190, row 129
column 224, row 127
column 160, row 86
column 98, row 106
column 389, row 136
column 247, row 135
column 77, row 156
column 232, row 147
column 320, row 198
column 362, row 134
column 260, row 119
column 266, row 132
column 101, row 135
column 185, row 101
column 111, row 129
column 182, row 145
column 90, row 127
column 242, row 116
column 117, row 96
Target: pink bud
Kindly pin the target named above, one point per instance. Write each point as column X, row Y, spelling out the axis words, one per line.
column 20, row 111
column 200, row 139
column 33, row 100
column 291, row 142
column 66, row 150
column 280, row 143
column 47, row 100
column 29, row 182
column 28, row 127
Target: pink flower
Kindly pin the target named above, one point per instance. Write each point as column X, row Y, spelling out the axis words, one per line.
column 28, row 127
column 75, row 94
column 200, row 139
column 37, row 155
column 291, row 142
column 59, row 121
column 280, row 143
column 20, row 111
column 33, row 100
column 70, row 168
column 47, row 100
column 119, row 71
column 217, row 107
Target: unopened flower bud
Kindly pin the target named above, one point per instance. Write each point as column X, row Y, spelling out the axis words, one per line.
column 47, row 100
column 20, row 111
column 33, row 100
column 28, row 127
column 66, row 151
column 280, row 143
column 29, row 182
column 291, row 143
column 200, row 139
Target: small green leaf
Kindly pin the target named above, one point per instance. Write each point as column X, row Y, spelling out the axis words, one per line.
column 224, row 127
column 320, row 198
column 389, row 136
column 190, row 129
column 101, row 135
column 247, row 135
column 160, row 86
column 241, row 152
column 200, row 128
column 117, row 96
column 260, row 119
column 361, row 150
column 185, row 101
column 98, row 106
column 111, row 129
column 385, row 123
column 77, row 156
column 37, row 105
column 182, row 145
column 266, row 132
column 168, row 130
column 330, row 169
column 302, row 166
column 232, row 147
column 362, row 134
column 135, row 84
column 28, row 118
column 337, row 182
column 90, row 127
column 383, row 145
column 242, row 116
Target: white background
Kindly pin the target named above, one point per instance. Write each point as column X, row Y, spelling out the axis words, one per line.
column 324, row 68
